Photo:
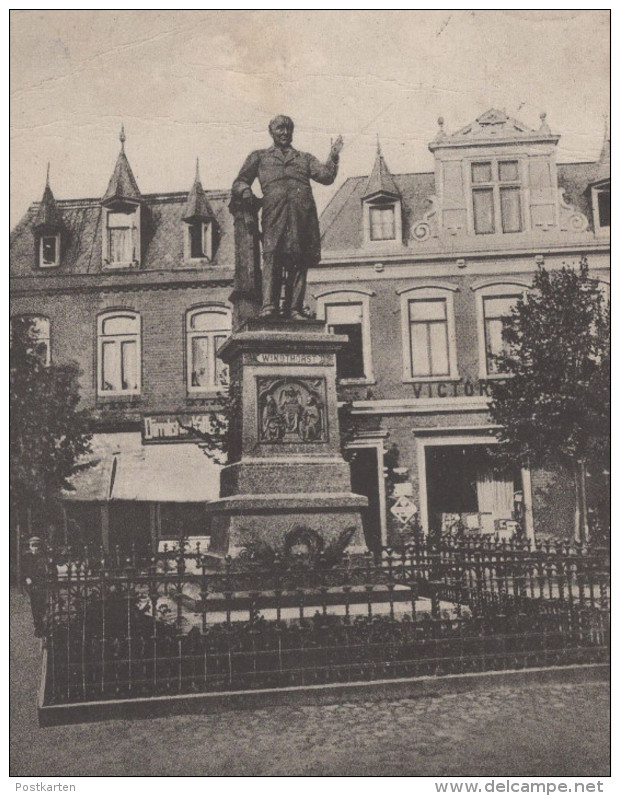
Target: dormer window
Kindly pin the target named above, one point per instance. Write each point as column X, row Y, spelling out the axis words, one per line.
column 496, row 196
column 49, row 250
column 122, row 237
column 601, row 208
column 199, row 240
column 382, row 223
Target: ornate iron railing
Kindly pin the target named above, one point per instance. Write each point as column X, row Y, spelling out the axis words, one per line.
column 185, row 623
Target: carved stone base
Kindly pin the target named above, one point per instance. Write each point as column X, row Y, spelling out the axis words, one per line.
column 286, row 468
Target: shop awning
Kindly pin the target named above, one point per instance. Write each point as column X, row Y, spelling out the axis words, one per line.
column 121, row 468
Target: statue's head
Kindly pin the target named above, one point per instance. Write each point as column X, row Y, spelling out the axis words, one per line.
column 281, row 130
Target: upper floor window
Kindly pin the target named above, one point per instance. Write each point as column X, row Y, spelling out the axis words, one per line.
column 206, row 329
column 429, row 343
column 118, row 338
column 49, row 250
column 121, row 243
column 496, row 196
column 382, row 223
column 199, row 240
column 348, row 313
column 601, row 208
column 495, row 303
column 37, row 327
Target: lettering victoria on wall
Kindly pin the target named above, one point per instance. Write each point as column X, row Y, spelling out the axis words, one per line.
column 452, row 389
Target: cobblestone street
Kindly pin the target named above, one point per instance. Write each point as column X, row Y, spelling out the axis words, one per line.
column 533, row 730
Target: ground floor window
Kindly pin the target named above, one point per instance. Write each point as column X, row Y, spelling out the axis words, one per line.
column 468, row 491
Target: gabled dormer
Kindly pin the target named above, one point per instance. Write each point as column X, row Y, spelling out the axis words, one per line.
column 122, row 207
column 382, row 206
column 48, row 228
column 199, row 236
column 496, row 177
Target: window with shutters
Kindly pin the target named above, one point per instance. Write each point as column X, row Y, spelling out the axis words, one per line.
column 429, row 343
column 118, row 353
column 496, row 196
column 348, row 313
column 206, row 329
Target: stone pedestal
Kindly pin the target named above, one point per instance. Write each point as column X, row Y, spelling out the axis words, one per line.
column 285, row 467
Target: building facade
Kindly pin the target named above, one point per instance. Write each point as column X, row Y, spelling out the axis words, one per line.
column 417, row 269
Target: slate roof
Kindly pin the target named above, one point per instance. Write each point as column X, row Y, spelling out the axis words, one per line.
column 162, row 228
column 122, row 183
column 341, row 221
column 48, row 217
column 197, row 206
column 380, row 180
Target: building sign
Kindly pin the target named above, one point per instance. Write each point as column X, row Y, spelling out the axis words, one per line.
column 452, row 389
column 404, row 509
column 174, row 428
column 272, row 358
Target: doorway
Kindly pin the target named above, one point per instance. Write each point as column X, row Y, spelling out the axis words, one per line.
column 365, row 481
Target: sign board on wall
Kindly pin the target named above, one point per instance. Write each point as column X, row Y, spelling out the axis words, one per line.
column 174, row 428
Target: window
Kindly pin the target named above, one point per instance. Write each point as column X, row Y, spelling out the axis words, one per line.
column 39, row 329
column 495, row 301
column 121, row 241
column 429, row 345
column 200, row 239
column 119, row 353
column 49, row 251
column 206, row 330
column 604, row 208
column 348, row 313
column 496, row 309
column 382, row 223
column 496, row 196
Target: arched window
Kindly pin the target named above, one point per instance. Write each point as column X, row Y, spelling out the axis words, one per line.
column 118, row 353
column 39, row 329
column 206, row 329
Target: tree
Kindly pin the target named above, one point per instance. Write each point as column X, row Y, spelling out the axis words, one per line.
column 48, row 433
column 555, row 406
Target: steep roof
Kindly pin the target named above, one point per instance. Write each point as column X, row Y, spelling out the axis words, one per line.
column 342, row 223
column 197, row 206
column 380, row 180
column 163, row 230
column 122, row 183
column 47, row 217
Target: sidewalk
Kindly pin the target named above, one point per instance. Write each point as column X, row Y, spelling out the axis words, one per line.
column 535, row 730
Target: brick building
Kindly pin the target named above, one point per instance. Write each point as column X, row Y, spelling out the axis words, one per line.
column 417, row 270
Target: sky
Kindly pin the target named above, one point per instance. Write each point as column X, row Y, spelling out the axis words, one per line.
column 205, row 84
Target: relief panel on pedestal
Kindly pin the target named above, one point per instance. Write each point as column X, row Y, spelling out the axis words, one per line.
column 291, row 410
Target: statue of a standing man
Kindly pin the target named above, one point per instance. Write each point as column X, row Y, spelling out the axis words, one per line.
column 290, row 225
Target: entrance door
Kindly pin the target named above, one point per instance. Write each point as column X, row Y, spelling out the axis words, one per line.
column 365, row 481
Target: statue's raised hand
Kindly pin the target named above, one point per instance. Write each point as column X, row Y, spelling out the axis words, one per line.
column 337, row 147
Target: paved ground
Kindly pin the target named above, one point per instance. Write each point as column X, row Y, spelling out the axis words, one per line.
column 534, row 730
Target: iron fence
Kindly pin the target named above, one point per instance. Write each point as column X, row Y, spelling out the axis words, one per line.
column 187, row 623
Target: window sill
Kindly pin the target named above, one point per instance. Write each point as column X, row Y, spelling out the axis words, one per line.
column 427, row 379
column 358, row 382
column 116, row 398
column 495, row 376
column 200, row 398
column 134, row 265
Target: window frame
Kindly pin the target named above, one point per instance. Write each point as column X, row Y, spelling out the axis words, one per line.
column 383, row 202
column 190, row 334
column 119, row 338
column 329, row 298
column 428, row 292
column 206, row 236
column 506, row 288
column 596, row 213
column 42, row 237
column 495, row 186
column 129, row 209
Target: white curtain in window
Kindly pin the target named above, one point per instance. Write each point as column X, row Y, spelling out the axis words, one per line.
column 495, row 493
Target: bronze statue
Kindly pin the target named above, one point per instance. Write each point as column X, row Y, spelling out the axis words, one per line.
column 290, row 225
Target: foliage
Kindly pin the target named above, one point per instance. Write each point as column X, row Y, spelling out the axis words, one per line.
column 300, row 546
column 214, row 442
column 557, row 401
column 48, row 433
